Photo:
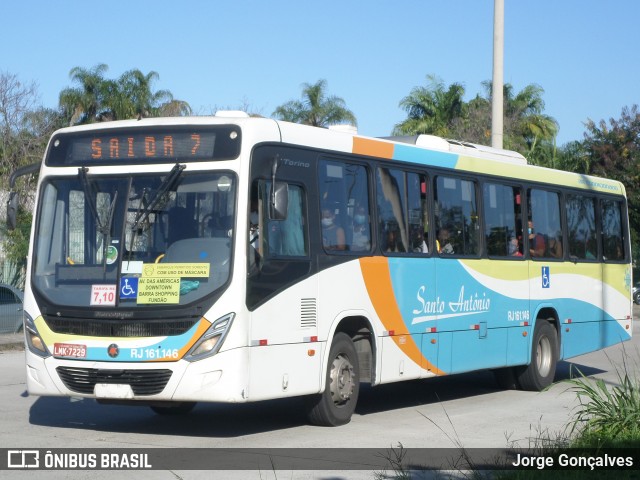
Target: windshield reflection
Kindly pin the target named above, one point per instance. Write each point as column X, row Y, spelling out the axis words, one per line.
column 134, row 241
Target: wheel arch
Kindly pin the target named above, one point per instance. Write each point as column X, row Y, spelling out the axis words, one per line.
column 360, row 330
column 550, row 315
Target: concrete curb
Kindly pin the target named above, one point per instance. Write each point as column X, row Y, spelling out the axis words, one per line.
column 11, row 342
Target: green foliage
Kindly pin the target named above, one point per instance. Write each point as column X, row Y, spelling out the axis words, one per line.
column 605, row 414
column 16, row 247
column 432, row 110
column 17, row 244
column 100, row 99
column 24, row 128
column 440, row 110
column 316, row 108
column 613, row 151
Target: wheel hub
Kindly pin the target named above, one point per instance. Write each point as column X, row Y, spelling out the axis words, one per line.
column 342, row 380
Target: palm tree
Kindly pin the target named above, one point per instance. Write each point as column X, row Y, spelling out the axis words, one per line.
column 525, row 122
column 432, row 110
column 316, row 108
column 131, row 96
column 82, row 105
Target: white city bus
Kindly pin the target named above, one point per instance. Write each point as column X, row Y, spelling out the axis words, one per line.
column 237, row 259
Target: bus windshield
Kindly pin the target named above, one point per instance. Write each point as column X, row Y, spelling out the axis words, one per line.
column 134, row 241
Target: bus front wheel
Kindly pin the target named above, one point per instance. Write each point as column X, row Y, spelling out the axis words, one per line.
column 337, row 403
column 539, row 374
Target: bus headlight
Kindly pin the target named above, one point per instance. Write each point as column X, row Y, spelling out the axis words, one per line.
column 34, row 340
column 210, row 343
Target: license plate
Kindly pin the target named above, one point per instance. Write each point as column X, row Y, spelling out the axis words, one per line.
column 69, row 350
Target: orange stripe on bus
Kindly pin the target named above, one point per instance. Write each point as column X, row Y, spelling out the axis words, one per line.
column 372, row 148
column 202, row 327
column 377, row 279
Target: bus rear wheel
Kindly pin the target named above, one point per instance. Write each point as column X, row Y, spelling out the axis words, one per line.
column 539, row 374
column 336, row 404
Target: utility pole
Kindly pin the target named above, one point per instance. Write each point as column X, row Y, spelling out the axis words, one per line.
column 497, row 107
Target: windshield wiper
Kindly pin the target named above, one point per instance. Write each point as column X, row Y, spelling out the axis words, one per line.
column 145, row 209
column 166, row 185
column 104, row 228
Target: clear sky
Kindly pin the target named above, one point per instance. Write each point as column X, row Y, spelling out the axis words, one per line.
column 226, row 54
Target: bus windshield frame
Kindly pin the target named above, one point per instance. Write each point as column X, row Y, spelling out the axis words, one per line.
column 134, row 241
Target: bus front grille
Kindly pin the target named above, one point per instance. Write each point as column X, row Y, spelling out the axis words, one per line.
column 142, row 382
column 119, row 328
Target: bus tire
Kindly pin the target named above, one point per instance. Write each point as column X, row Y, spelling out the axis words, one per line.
column 506, row 378
column 180, row 408
column 539, row 374
column 337, row 403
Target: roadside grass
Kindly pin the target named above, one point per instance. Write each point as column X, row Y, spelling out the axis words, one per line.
column 606, row 421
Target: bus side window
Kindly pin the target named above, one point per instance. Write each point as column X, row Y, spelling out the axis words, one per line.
column 581, row 227
column 418, row 214
column 544, row 228
column 612, row 230
column 391, row 198
column 344, row 206
column 287, row 237
column 457, row 216
column 503, row 220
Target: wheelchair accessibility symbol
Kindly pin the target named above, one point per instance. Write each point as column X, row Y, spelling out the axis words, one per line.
column 546, row 277
column 128, row 287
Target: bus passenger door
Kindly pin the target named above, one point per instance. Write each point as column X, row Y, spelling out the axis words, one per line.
column 282, row 296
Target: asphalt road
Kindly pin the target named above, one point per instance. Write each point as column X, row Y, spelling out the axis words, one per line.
column 467, row 410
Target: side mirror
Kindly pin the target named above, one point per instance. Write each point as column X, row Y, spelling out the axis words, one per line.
column 279, row 201
column 12, row 210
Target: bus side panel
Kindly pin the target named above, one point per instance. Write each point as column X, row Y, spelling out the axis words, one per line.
column 579, row 338
column 591, row 313
column 286, row 346
column 483, row 301
column 468, row 313
column 585, row 337
column 285, row 370
column 618, row 304
column 479, row 348
column 431, row 350
column 395, row 364
column 518, row 345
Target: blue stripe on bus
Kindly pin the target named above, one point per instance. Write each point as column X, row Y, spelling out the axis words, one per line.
column 408, row 153
column 477, row 327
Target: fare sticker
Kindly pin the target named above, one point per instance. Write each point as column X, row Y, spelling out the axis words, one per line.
column 158, row 290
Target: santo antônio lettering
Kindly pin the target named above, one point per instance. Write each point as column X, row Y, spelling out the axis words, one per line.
column 149, row 146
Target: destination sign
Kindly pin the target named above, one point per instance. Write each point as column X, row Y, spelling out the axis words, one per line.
column 148, row 145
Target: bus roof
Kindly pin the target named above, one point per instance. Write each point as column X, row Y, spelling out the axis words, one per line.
column 425, row 150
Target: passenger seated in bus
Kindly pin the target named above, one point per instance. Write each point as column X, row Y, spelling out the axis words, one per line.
column 332, row 235
column 419, row 242
column 444, row 242
column 360, row 235
column 514, row 247
column 555, row 247
column 590, row 249
column 392, row 244
column 537, row 245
